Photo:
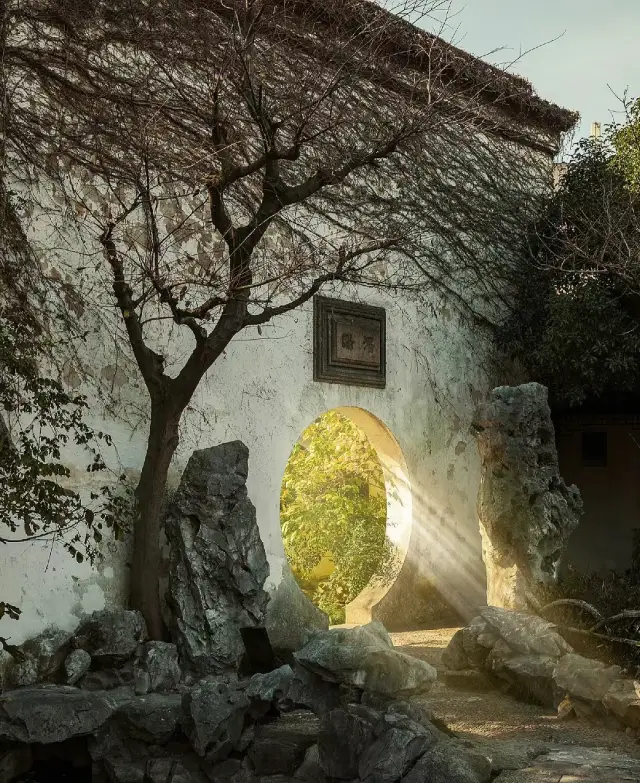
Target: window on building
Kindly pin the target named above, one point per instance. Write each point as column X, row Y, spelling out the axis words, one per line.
column 594, row 449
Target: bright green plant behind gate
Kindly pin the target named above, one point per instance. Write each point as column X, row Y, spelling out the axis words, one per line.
column 333, row 513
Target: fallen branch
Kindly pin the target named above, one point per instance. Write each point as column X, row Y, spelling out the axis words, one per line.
column 14, row 651
column 628, row 614
column 576, row 603
column 603, row 637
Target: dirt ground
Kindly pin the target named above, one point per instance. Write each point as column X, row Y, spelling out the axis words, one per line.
column 496, row 722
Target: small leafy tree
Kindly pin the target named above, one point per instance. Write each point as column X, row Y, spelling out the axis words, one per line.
column 626, row 142
column 38, row 418
column 575, row 325
column 334, row 503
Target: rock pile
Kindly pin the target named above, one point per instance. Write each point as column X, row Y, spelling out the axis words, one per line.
column 336, row 713
column 531, row 659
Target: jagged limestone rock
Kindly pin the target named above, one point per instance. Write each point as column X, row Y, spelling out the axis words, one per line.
column 526, row 510
column 364, row 657
column 160, row 664
column 76, row 665
column 111, row 636
column 44, row 656
column 218, row 565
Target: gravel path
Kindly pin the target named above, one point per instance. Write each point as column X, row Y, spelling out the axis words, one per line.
column 495, row 722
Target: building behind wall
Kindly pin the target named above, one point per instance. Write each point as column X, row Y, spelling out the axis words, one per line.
column 600, row 453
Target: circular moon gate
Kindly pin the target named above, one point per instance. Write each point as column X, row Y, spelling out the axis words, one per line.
column 369, row 602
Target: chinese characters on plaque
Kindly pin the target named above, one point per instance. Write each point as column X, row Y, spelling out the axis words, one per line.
column 349, row 343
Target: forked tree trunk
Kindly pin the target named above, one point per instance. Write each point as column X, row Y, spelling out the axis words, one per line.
column 150, row 494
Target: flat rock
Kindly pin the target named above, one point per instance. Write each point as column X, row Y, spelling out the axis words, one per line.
column 525, row 634
column 55, row 713
column 364, row 657
column 14, row 762
column 151, row 718
column 168, row 770
column 530, row 677
column 623, row 700
column 586, row 765
column 584, row 678
column 400, row 742
column 455, row 656
column 214, row 717
column 271, row 686
column 310, row 769
column 44, row 656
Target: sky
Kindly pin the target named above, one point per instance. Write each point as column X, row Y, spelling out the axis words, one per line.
column 597, row 48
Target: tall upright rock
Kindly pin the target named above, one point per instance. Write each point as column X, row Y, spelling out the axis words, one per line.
column 217, row 565
column 526, row 510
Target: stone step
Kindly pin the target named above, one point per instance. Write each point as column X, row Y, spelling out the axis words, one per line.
column 577, row 765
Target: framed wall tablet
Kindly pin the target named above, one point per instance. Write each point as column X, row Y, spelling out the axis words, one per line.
column 349, row 343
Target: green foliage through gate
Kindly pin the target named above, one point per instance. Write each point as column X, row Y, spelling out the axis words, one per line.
column 334, row 505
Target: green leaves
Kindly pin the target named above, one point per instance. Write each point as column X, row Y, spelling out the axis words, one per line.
column 35, row 497
column 575, row 323
column 626, row 141
column 333, row 502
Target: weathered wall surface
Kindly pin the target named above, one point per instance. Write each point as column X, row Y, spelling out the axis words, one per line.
column 262, row 393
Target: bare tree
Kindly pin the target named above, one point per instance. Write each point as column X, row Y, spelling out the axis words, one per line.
column 230, row 158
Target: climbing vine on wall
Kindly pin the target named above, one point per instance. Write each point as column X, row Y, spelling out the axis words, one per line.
column 334, row 510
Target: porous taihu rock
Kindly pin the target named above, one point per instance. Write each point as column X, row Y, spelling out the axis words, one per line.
column 526, row 510
column 218, row 565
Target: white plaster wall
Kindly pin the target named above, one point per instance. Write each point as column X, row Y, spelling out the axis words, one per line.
column 261, row 392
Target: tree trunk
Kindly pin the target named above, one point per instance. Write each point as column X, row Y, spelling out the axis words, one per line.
column 150, row 494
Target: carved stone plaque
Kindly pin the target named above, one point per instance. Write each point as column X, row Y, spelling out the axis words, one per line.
column 349, row 343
